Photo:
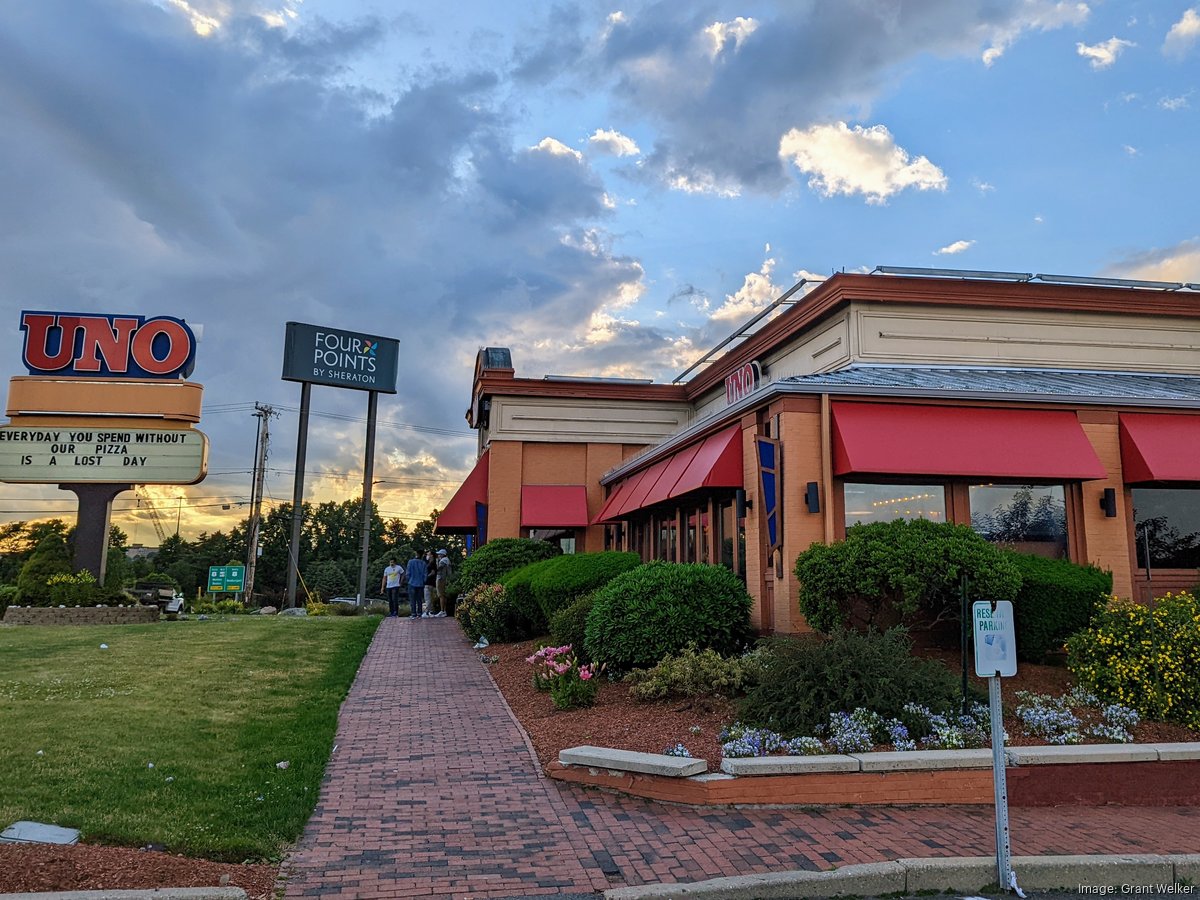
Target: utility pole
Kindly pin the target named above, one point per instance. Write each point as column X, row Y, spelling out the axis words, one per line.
column 264, row 415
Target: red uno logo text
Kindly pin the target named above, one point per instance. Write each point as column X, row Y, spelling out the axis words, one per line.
column 741, row 382
column 107, row 345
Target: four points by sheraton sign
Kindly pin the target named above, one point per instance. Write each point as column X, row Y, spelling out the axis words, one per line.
column 350, row 359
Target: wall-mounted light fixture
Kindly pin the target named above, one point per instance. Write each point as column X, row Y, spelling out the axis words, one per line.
column 1108, row 503
column 741, row 503
column 812, row 497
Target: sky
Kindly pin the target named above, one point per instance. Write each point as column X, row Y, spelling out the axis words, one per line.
column 605, row 188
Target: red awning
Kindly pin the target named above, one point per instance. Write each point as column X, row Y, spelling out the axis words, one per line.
column 670, row 476
column 554, row 506
column 616, row 500
column 717, row 464
column 637, row 497
column 1160, row 448
column 459, row 514
column 972, row 442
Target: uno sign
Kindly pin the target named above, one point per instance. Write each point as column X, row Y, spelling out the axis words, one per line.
column 742, row 382
column 107, row 345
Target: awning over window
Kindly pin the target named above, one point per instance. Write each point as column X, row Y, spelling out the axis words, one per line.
column 715, row 462
column 1160, row 448
column 971, row 442
column 460, row 514
column 554, row 506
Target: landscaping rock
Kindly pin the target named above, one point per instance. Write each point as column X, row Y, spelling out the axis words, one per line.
column 294, row 611
column 267, row 611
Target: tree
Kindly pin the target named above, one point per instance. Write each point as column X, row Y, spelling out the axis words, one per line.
column 52, row 557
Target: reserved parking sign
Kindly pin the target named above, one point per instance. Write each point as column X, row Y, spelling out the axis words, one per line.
column 995, row 639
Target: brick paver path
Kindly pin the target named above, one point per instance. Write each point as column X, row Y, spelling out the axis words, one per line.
column 433, row 791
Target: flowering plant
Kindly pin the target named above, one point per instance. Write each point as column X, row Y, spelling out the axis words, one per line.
column 678, row 750
column 557, row 670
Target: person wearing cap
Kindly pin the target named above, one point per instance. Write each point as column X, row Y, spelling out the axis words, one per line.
column 431, row 606
column 443, row 579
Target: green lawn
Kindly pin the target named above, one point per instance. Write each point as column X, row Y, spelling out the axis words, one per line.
column 213, row 705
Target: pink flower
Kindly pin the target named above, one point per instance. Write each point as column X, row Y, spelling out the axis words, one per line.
column 585, row 674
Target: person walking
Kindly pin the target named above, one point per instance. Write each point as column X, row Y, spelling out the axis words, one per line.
column 442, row 581
column 415, row 570
column 392, row 577
column 432, row 607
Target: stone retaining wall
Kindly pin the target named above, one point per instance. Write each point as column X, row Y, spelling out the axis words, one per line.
column 80, row 615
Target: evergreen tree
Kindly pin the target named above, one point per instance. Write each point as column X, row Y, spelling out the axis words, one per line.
column 52, row 557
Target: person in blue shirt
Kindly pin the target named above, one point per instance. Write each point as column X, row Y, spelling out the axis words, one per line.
column 416, row 572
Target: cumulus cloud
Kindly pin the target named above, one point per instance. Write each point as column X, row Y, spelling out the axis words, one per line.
column 842, row 160
column 954, row 248
column 1033, row 15
column 1104, row 54
column 613, row 143
column 1183, row 34
column 733, row 32
column 1180, row 262
column 556, row 148
column 757, row 292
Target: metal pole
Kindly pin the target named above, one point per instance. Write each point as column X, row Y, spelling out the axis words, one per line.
column 964, row 637
column 368, row 474
column 1000, row 782
column 298, row 495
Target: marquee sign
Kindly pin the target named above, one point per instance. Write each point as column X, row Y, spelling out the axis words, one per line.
column 89, row 344
column 340, row 358
column 48, row 454
column 742, row 382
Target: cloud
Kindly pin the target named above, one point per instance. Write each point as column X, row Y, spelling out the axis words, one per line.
column 1180, row 262
column 982, row 186
column 955, row 248
column 1183, row 34
column 1173, row 104
column 1033, row 15
column 556, row 148
column 844, row 160
column 1104, row 54
column 756, row 293
column 736, row 31
column 613, row 143
column 1130, row 149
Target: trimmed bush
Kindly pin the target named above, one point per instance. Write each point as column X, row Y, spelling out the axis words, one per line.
column 660, row 607
column 692, row 673
column 569, row 625
column 900, row 571
column 497, row 558
column 560, row 581
column 518, row 589
column 1145, row 657
column 487, row 612
column 805, row 680
column 1057, row 598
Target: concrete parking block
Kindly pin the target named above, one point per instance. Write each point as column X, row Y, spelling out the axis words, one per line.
column 870, row 879
column 1084, row 753
column 790, row 765
column 924, row 759
column 631, row 761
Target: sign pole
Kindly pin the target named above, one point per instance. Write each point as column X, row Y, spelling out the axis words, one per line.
column 1000, row 785
column 298, row 495
column 92, row 523
column 368, row 476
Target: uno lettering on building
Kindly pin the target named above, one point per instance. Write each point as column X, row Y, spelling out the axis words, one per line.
column 88, row 344
column 742, row 382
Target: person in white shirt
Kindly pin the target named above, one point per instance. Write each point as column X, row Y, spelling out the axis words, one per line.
column 393, row 578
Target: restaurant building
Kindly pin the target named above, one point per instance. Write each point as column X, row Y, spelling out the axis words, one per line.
column 1055, row 415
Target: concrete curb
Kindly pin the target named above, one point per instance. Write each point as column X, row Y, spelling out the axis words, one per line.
column 909, row 876
column 208, row 893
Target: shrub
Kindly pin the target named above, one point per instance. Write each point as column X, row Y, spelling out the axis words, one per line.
column 1057, row 598
column 230, row 607
column 569, row 625
column 487, row 612
column 659, row 608
column 808, row 679
column 497, row 558
column 518, row 587
column 1145, row 657
column 690, row 673
column 8, row 595
column 50, row 557
column 572, row 685
column 900, row 571
column 79, row 589
column 561, row 580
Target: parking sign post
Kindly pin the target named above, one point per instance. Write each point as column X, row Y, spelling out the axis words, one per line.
column 996, row 658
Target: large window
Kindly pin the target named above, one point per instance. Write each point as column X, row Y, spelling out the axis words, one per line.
column 1027, row 517
column 1167, row 520
column 866, row 503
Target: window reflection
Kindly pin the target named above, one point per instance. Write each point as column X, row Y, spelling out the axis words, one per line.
column 866, row 503
column 1167, row 520
column 1028, row 518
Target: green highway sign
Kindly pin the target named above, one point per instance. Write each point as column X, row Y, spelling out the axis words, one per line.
column 226, row 579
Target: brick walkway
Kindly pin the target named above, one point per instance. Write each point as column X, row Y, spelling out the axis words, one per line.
column 433, row 791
